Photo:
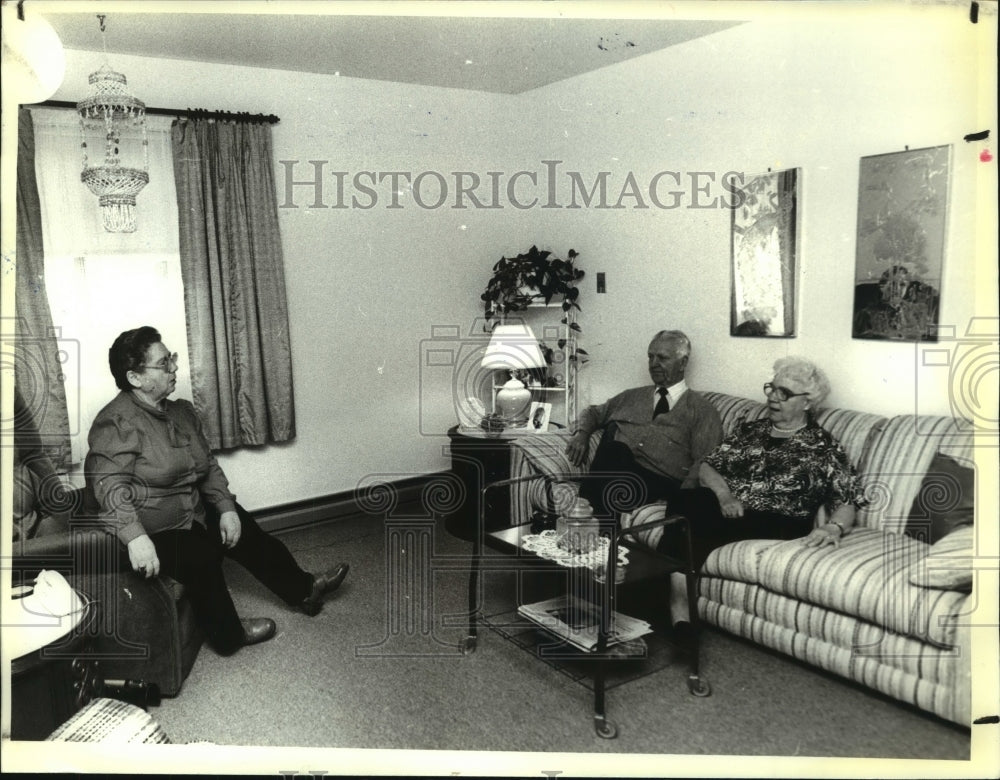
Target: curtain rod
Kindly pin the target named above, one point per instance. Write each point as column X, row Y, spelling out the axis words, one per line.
column 189, row 113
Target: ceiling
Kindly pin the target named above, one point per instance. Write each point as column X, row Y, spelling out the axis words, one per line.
column 504, row 55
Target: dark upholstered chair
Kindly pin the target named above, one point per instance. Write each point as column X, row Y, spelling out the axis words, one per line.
column 145, row 629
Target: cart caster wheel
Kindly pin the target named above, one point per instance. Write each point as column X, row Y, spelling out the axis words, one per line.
column 467, row 645
column 604, row 728
column 698, row 686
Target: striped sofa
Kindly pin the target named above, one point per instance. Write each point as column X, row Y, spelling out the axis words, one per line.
column 851, row 610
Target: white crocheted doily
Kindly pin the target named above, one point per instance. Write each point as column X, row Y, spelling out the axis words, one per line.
column 546, row 545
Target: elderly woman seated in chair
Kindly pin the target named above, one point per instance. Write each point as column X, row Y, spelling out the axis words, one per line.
column 768, row 479
column 163, row 494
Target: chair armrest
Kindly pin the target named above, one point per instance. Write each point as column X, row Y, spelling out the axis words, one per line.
column 86, row 539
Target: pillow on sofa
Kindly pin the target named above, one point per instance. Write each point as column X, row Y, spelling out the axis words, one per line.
column 945, row 501
column 949, row 563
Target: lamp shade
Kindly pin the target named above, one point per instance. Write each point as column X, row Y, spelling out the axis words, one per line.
column 513, row 347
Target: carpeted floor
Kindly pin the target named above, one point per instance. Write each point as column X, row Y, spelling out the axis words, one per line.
column 380, row 668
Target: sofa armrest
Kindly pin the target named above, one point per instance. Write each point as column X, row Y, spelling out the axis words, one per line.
column 544, row 456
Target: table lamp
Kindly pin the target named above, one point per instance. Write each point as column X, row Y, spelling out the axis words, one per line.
column 514, row 348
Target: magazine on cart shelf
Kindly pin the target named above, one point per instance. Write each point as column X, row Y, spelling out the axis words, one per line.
column 577, row 620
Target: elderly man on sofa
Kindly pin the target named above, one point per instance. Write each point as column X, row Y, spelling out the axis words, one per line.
column 652, row 442
column 655, row 433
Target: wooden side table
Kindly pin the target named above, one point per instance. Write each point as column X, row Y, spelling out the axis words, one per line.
column 478, row 458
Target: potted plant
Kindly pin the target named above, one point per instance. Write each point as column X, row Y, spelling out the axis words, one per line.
column 532, row 277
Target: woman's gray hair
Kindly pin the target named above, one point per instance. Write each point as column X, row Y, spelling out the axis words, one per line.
column 812, row 379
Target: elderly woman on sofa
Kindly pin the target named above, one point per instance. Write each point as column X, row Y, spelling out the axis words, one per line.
column 163, row 494
column 770, row 477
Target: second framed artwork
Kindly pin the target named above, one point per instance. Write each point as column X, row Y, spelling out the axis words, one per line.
column 902, row 220
column 765, row 255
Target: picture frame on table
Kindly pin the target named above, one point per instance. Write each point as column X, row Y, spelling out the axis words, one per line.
column 538, row 417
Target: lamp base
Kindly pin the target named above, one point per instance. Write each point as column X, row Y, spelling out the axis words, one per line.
column 513, row 401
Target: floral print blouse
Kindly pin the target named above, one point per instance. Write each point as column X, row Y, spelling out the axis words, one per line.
column 793, row 477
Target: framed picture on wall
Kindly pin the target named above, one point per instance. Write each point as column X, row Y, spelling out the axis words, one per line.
column 902, row 214
column 764, row 253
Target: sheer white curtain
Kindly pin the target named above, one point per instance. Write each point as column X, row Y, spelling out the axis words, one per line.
column 100, row 283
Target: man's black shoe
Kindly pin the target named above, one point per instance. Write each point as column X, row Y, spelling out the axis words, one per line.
column 257, row 630
column 323, row 584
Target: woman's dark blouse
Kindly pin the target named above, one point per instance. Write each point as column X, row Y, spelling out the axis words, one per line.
column 150, row 469
column 792, row 477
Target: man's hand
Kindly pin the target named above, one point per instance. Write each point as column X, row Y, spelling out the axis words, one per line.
column 230, row 528
column 576, row 448
column 142, row 556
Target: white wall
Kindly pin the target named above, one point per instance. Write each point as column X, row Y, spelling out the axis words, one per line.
column 366, row 288
column 816, row 91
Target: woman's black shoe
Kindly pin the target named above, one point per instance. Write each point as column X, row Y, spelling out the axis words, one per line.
column 323, row 584
column 258, row 630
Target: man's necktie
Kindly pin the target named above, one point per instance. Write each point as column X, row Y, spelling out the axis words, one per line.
column 663, row 405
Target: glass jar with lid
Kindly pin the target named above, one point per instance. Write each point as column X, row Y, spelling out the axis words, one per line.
column 577, row 529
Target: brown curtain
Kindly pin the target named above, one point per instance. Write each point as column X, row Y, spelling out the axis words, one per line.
column 41, row 425
column 234, row 283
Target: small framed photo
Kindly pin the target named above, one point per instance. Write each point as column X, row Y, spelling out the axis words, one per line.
column 538, row 417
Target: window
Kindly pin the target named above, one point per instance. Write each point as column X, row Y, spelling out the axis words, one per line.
column 100, row 283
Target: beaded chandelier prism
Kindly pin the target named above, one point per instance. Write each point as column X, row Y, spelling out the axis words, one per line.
column 112, row 111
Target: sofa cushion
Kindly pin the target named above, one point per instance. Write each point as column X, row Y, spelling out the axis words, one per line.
column 949, row 564
column 867, row 576
column 739, row 561
column 831, row 629
column 945, row 501
column 854, row 431
column 897, row 461
column 734, row 409
column 933, row 679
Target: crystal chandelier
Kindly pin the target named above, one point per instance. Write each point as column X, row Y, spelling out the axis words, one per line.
column 112, row 111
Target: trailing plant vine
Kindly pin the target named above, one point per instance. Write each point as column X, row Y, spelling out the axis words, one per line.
column 536, row 277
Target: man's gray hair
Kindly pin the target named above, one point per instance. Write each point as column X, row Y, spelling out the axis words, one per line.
column 680, row 340
column 812, row 379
